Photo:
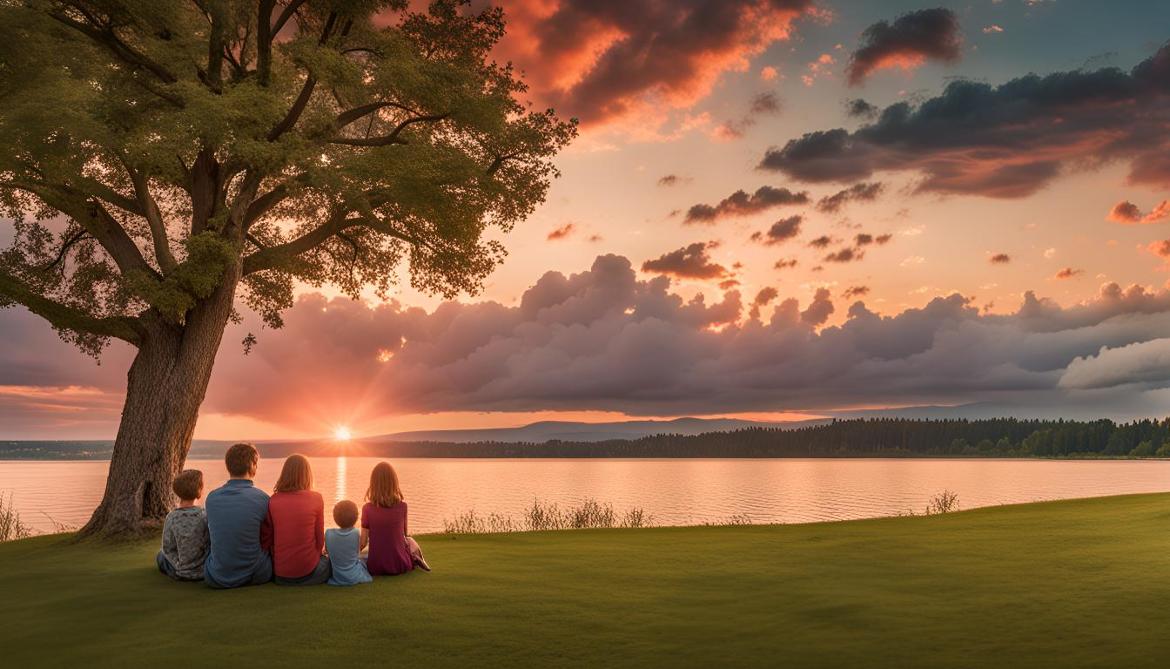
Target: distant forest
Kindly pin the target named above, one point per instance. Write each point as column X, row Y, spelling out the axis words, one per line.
column 864, row 438
column 873, row 437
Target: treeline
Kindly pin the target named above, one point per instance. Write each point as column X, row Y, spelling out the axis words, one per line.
column 875, row 437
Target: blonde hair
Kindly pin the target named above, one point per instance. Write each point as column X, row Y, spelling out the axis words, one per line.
column 295, row 475
column 384, row 489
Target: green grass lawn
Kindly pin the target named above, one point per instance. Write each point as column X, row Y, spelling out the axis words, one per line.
column 1082, row 583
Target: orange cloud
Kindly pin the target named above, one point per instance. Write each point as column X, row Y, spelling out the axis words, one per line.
column 603, row 62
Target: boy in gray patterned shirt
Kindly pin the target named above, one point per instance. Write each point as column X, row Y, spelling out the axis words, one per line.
column 185, row 540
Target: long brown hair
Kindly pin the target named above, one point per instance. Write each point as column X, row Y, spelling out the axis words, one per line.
column 295, row 475
column 384, row 489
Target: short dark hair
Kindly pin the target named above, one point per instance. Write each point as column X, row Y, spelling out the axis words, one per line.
column 240, row 459
column 188, row 484
column 345, row 514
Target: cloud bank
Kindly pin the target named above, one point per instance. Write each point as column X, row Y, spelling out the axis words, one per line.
column 605, row 339
column 1005, row 141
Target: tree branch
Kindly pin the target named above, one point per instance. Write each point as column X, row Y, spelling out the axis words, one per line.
column 393, row 137
column 263, row 204
column 271, row 256
column 65, row 246
column 302, row 101
column 66, row 317
column 294, row 112
column 158, row 227
column 264, row 40
column 105, row 35
column 290, row 9
column 499, row 162
column 350, row 115
column 91, row 215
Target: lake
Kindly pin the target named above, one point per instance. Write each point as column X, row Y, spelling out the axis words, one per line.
column 674, row 492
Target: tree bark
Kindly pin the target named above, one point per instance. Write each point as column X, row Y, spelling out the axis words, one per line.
column 165, row 386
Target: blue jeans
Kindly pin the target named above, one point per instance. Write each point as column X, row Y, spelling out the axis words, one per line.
column 319, row 575
column 261, row 575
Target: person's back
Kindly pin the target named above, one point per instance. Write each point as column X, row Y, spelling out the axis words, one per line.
column 237, row 520
column 298, row 532
column 185, row 541
column 344, row 546
column 384, row 524
column 387, row 531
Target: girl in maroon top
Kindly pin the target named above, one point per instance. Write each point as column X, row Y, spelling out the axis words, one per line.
column 297, row 515
column 384, row 527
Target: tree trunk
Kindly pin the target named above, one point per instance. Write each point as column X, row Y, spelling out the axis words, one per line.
column 166, row 384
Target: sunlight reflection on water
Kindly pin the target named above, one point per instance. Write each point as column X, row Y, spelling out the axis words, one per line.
column 674, row 492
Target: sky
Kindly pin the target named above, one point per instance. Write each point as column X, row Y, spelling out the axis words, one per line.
column 775, row 209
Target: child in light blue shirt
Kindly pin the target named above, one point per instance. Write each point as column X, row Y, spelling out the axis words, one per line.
column 343, row 545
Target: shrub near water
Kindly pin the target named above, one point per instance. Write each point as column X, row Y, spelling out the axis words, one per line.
column 11, row 526
column 944, row 502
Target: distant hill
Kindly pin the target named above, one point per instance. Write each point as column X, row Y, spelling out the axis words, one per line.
column 551, row 430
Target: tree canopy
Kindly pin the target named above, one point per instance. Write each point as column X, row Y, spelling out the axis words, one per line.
column 151, row 147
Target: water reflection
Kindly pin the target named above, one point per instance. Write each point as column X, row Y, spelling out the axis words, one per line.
column 342, row 476
column 672, row 491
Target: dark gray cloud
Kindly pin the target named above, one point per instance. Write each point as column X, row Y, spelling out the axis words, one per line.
column 999, row 259
column 845, row 254
column 854, row 291
column 741, row 203
column 689, row 262
column 780, row 231
column 859, row 108
column 859, row 192
column 912, row 39
column 865, row 239
column 1003, row 141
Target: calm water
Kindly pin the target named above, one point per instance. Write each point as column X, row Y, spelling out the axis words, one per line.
column 675, row 492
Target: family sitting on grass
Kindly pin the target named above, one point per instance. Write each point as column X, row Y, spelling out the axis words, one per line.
column 245, row 537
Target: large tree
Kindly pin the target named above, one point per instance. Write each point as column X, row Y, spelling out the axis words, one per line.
column 159, row 159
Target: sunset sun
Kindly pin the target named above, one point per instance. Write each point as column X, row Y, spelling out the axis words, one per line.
column 342, row 433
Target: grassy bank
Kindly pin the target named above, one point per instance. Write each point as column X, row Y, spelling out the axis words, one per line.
column 1082, row 583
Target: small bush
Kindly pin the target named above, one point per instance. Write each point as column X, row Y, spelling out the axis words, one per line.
column 637, row 518
column 591, row 514
column 944, row 502
column 11, row 526
column 472, row 523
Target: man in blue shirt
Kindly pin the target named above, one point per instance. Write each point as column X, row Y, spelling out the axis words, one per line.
column 237, row 519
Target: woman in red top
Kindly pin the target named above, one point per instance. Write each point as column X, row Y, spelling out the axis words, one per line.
column 297, row 515
column 384, row 526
